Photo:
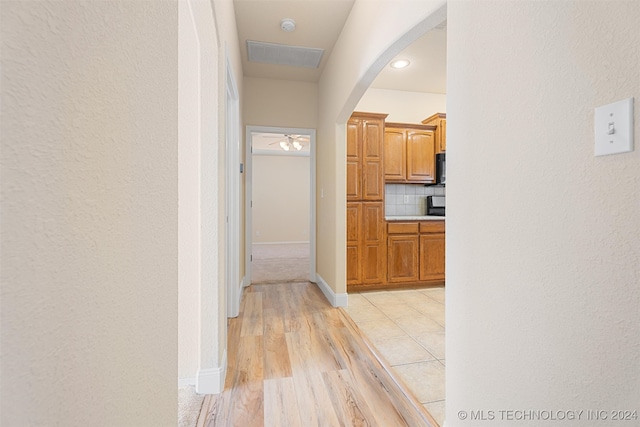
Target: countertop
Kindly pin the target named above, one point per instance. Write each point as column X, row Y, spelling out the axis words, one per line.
column 414, row 218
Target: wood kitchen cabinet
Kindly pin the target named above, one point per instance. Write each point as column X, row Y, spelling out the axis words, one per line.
column 366, row 244
column 415, row 252
column 366, row 226
column 395, row 155
column 439, row 120
column 402, row 247
column 409, row 153
column 354, row 233
column 365, row 134
column 432, row 250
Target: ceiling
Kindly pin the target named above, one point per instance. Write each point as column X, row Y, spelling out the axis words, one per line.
column 318, row 25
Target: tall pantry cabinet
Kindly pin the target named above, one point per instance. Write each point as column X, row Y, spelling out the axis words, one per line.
column 366, row 227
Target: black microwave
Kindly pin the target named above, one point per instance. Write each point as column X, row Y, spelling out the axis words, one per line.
column 441, row 168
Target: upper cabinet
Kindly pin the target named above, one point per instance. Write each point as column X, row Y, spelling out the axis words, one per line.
column 439, row 120
column 365, row 134
column 409, row 153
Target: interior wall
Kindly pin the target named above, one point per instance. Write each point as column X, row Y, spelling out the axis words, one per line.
column 188, row 184
column 211, row 166
column 89, row 213
column 228, row 47
column 543, row 303
column 402, row 106
column 280, row 103
column 205, row 47
column 361, row 51
column 199, row 283
column 281, row 199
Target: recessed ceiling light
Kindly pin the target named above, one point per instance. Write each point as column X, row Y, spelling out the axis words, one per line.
column 400, row 63
column 288, row 25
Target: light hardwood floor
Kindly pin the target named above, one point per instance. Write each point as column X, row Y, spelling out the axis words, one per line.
column 296, row 361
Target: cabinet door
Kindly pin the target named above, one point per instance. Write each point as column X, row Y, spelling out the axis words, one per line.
column 372, row 172
column 354, row 162
column 420, row 156
column 395, row 155
column 354, row 227
column 442, row 129
column 432, row 250
column 373, row 248
column 402, row 258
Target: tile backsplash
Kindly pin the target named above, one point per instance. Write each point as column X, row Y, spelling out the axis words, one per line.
column 408, row 199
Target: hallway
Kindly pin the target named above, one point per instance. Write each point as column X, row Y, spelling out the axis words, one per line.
column 294, row 360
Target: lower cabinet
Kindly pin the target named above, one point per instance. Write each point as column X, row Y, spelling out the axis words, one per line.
column 432, row 256
column 415, row 252
column 366, row 245
column 384, row 254
column 354, row 233
column 402, row 250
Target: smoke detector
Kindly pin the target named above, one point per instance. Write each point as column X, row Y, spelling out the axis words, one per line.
column 288, row 25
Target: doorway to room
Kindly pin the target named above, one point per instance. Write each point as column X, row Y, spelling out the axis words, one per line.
column 405, row 326
column 280, row 214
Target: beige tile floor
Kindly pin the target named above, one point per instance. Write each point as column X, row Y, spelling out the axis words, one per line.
column 407, row 328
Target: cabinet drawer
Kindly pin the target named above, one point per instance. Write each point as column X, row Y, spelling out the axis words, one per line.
column 403, row 228
column 432, row 227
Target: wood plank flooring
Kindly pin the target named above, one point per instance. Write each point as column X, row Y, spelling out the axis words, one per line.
column 293, row 360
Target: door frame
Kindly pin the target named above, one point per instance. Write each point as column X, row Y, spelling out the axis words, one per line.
column 249, row 195
column 233, row 208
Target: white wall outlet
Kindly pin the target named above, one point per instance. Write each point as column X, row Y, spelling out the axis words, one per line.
column 407, row 200
column 614, row 128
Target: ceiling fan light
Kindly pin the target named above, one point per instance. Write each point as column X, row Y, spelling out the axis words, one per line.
column 297, row 145
column 284, row 145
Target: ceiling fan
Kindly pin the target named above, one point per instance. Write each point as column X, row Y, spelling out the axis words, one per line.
column 289, row 141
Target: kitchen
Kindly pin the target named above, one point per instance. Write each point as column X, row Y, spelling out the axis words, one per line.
column 395, row 221
column 396, row 174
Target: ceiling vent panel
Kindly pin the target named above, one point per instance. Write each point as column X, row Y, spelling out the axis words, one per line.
column 280, row 54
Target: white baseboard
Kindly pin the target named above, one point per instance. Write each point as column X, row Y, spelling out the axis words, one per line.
column 336, row 300
column 244, row 284
column 185, row 382
column 211, row 381
column 280, row 243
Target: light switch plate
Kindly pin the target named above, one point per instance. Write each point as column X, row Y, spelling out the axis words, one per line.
column 614, row 128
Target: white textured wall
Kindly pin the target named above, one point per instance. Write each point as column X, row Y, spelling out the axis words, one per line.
column 280, row 199
column 402, row 106
column 226, row 36
column 189, row 196
column 89, row 213
column 543, row 301
column 211, row 199
column 208, row 38
column 280, row 103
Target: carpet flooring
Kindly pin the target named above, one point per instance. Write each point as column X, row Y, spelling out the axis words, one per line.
column 189, row 406
column 280, row 263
